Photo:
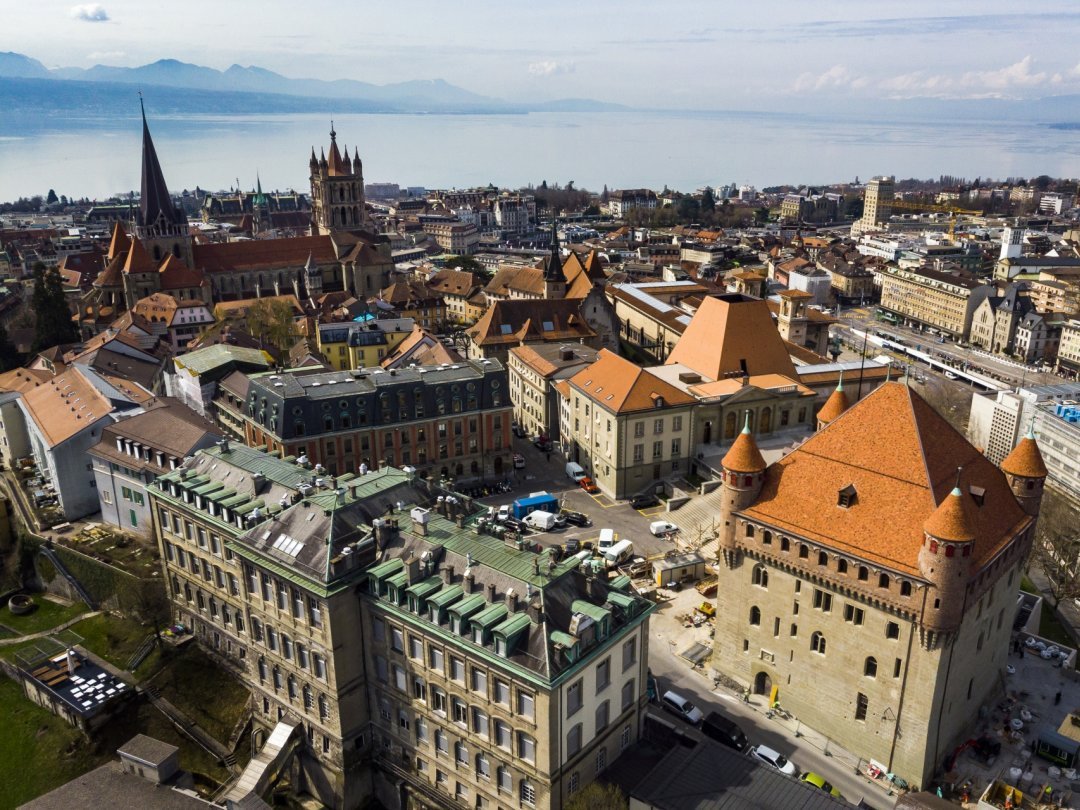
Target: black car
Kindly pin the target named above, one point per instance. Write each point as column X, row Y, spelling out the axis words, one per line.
column 519, row 431
column 575, row 518
column 644, row 501
column 518, row 526
column 723, row 731
column 573, row 546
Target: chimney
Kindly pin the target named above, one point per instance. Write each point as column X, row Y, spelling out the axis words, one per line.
column 491, row 592
column 511, row 600
column 447, row 574
column 71, row 661
column 420, row 518
column 224, row 445
column 467, row 582
column 460, row 521
column 412, row 570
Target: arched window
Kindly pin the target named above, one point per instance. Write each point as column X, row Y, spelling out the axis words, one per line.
column 841, row 566
column 760, row 576
column 870, row 667
column 883, row 581
column 785, row 544
column 822, row 558
column 755, row 615
column 766, row 538
column 817, row 643
column 729, row 426
column 804, row 550
column 864, row 573
column 905, row 588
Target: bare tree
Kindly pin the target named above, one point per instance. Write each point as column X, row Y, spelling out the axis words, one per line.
column 1057, row 545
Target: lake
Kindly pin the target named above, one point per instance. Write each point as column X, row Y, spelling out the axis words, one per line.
column 96, row 157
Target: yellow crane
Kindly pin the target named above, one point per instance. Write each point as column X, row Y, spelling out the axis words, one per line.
column 954, row 211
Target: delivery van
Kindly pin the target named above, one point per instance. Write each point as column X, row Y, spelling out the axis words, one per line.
column 540, row 520
column 619, row 553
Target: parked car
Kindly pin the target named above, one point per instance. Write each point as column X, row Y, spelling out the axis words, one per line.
column 560, row 520
column 541, row 444
column 678, row 705
column 774, row 758
column 644, row 501
column 519, row 461
column 588, row 485
column 519, row 431
column 573, row 546
column 659, row 527
column 724, row 731
column 574, row 471
column 950, row 375
column 818, row 781
column 503, row 514
column 575, row 518
column 517, row 525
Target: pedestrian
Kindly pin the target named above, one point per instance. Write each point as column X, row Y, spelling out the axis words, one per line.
column 1057, row 698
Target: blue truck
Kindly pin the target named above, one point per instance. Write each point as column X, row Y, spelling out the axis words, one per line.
column 536, row 501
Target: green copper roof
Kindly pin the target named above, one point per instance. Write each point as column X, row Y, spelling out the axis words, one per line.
column 424, row 587
column 512, row 626
column 597, row 614
column 399, row 580
column 559, row 637
column 445, row 596
column 218, row 356
column 387, row 568
column 469, row 605
column 620, row 583
column 206, row 489
column 492, row 614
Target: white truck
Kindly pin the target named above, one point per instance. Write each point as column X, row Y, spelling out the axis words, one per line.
column 540, row 520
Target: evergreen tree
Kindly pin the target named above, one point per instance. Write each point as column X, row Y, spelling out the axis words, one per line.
column 708, row 201
column 605, row 195
column 9, row 358
column 53, row 325
column 52, row 199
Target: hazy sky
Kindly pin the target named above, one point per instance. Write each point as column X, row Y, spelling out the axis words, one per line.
column 710, row 54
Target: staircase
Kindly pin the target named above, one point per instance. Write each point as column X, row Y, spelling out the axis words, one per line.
column 265, row 767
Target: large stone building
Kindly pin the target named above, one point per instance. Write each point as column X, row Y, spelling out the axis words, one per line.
column 944, row 302
column 868, row 578
column 877, row 205
column 449, row 421
column 534, row 371
column 415, row 658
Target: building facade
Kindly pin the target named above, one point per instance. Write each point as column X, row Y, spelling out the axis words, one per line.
column 350, row 344
column 945, row 302
column 448, row 421
column 533, row 372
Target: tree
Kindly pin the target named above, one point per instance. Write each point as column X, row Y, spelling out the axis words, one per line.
column 596, row 796
column 52, row 199
column 951, row 400
column 52, row 322
column 708, row 201
column 9, row 358
column 467, row 263
column 1057, row 545
column 271, row 320
column 150, row 604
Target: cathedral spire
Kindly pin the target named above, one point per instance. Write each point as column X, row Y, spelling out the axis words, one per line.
column 553, row 270
column 155, row 204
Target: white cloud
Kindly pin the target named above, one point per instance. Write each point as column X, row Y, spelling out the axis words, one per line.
column 89, row 12
column 1002, row 82
column 550, row 68
column 834, row 77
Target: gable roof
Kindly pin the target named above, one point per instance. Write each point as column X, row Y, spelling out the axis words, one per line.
column 901, row 457
column 264, row 254
column 175, row 275
column 519, row 320
column 621, row 386
column 732, row 334
column 65, row 405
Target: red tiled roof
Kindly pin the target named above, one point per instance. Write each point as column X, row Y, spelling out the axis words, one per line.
column 224, row 257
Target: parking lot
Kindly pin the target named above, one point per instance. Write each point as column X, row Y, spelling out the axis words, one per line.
column 544, row 472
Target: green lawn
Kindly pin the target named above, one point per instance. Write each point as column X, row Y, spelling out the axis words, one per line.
column 45, row 616
column 38, row 751
column 112, row 637
column 210, row 695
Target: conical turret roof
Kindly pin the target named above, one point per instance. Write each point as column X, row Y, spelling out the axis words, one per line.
column 119, row 242
column 744, row 456
column 952, row 519
column 835, row 405
column 1025, row 460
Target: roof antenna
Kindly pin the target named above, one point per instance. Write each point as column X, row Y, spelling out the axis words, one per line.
column 959, row 471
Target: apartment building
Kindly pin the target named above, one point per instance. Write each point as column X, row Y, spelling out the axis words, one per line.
column 533, row 371
column 420, row 660
column 883, row 625
column 1068, row 357
column 413, row 299
column 942, row 301
column 134, row 451
column 361, row 344
column 451, row 420
column 628, row 428
column 515, row 214
column 460, row 238
column 457, row 287
column 623, row 201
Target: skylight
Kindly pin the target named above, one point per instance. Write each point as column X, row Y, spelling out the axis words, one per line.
column 288, row 545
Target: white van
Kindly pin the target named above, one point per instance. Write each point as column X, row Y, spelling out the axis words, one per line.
column 574, row 471
column 619, row 553
column 607, row 540
column 540, row 520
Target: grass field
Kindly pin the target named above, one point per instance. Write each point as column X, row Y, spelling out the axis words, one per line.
column 45, row 615
column 38, row 751
column 210, row 695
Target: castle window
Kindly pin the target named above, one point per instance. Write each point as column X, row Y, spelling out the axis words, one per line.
column 905, row 588
column 870, row 667
column 892, row 630
column 950, row 551
column 846, row 496
column 804, row 551
column 817, row 643
column 766, row 538
column 785, row 544
column 862, row 703
column 822, row 558
column 794, row 630
column 883, row 581
column 864, row 573
column 822, row 600
column 749, row 529
column 841, row 566
column 755, row 615
column 760, row 576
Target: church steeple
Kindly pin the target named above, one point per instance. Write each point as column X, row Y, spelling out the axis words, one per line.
column 159, row 224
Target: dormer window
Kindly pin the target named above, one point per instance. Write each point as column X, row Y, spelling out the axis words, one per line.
column 846, row 497
column 978, row 494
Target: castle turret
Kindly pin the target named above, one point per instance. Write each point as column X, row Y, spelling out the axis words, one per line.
column 1026, row 473
column 945, row 560
column 743, row 475
column 835, row 405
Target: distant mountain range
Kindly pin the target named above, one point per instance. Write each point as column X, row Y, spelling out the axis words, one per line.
column 27, row 83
